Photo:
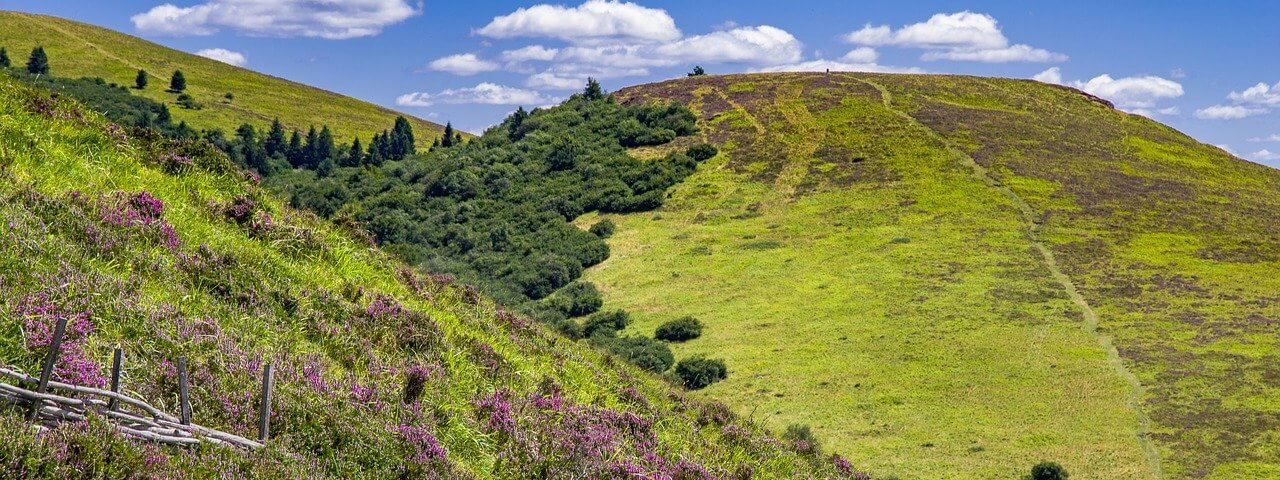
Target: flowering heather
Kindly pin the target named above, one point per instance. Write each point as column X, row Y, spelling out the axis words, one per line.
column 495, row 410
column 843, row 467
column 240, row 210
column 416, row 378
column 426, row 448
column 39, row 315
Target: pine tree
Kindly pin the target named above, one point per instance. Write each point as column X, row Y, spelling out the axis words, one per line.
column 140, row 81
column 446, row 140
column 4, row 58
column 38, row 63
column 697, row 71
column 163, row 117
column 325, row 148
column 517, row 121
column 355, row 156
column 457, row 139
column 402, row 138
column 275, row 141
column 309, row 156
column 178, row 82
column 250, row 152
column 375, row 150
column 593, row 90
column 295, row 152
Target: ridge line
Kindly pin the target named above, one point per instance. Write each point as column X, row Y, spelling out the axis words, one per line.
column 1090, row 317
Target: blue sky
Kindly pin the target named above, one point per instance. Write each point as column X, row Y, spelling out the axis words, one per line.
column 1211, row 69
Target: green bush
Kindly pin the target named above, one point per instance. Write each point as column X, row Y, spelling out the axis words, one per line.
column 605, row 323
column 698, row 372
column 1047, row 471
column 679, row 330
column 576, row 299
column 646, row 353
column 189, row 102
column 701, row 151
column 603, row 229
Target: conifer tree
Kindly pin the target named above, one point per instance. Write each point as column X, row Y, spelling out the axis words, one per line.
column 178, row 82
column 446, row 139
column 38, row 63
column 402, row 138
column 250, row 151
column 457, row 139
column 163, row 117
column 310, row 153
column 324, row 147
column 275, row 141
column 4, row 58
column 593, row 90
column 295, row 152
column 517, row 120
column 697, row 71
column 140, row 80
column 355, row 156
column 375, row 150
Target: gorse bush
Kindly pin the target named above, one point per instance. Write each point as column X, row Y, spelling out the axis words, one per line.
column 698, row 372
column 1047, row 471
column 605, row 323
column 701, row 151
column 576, row 299
column 646, row 353
column 603, row 228
column 679, row 330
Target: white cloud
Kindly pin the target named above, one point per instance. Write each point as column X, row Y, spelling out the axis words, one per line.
column 1138, row 95
column 1264, row 154
column 225, row 56
column 574, row 76
column 276, row 18
column 761, row 45
column 861, row 55
column 484, row 93
column 462, row 64
column 1228, row 112
column 1275, row 137
column 530, row 53
column 1260, row 94
column 822, row 65
column 591, row 22
column 962, row 36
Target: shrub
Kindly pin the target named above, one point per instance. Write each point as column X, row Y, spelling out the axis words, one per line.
column 603, row 228
column 645, row 353
column 679, row 330
column 802, row 439
column 605, row 323
column 1047, row 471
column 701, row 151
column 189, row 102
column 698, row 372
column 577, row 299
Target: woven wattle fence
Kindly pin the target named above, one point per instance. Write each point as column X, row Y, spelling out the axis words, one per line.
column 130, row 416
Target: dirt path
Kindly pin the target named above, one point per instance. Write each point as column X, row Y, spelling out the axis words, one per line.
column 1029, row 215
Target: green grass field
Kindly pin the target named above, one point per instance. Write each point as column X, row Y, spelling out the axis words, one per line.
column 81, row 50
column 874, row 256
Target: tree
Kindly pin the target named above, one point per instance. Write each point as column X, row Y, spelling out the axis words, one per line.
column 178, row 82
column 402, row 138
column 250, row 152
column 275, row 141
column 355, row 156
column 38, row 63
column 324, row 148
column 163, row 117
column 310, row 153
column 294, row 152
column 517, row 120
column 697, row 71
column 4, row 58
column 446, row 139
column 140, row 80
column 593, row 90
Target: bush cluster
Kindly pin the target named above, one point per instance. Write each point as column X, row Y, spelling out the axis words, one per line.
column 698, row 372
column 679, row 330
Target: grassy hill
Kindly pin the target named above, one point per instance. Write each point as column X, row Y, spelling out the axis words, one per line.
column 163, row 249
column 953, row 277
column 81, row 50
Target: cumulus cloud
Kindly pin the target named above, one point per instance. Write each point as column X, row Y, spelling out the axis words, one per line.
column 484, row 93
column 593, row 21
column 861, row 55
column 462, row 64
column 1275, row 137
column 1228, row 112
column 571, row 76
column 276, row 18
column 962, row 36
column 225, row 56
column 1265, row 155
column 1260, row 94
column 530, row 53
column 1139, row 94
column 762, row 44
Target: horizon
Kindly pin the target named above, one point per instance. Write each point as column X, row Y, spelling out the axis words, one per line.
column 473, row 66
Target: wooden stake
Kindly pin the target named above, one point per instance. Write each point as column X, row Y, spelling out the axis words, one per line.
column 183, row 395
column 264, row 410
column 55, row 345
column 116, row 359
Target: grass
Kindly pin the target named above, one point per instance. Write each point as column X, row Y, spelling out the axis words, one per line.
column 342, row 322
column 858, row 276
column 82, row 50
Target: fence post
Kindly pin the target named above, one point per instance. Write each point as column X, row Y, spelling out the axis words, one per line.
column 264, row 409
column 116, row 359
column 46, row 371
column 183, row 395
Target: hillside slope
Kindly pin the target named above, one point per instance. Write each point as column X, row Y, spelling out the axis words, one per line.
column 161, row 248
column 944, row 275
column 81, row 50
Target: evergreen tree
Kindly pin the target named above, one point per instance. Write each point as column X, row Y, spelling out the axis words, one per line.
column 38, row 63
column 310, row 153
column 295, row 152
column 384, row 146
column 275, row 141
column 446, row 140
column 140, row 81
column 324, row 147
column 402, row 138
column 593, row 90
column 517, row 121
column 4, row 58
column 163, row 117
column 697, row 71
column 250, row 152
column 375, row 150
column 178, row 82
column 457, row 139
column 355, row 156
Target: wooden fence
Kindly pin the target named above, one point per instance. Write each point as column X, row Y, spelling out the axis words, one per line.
column 132, row 417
